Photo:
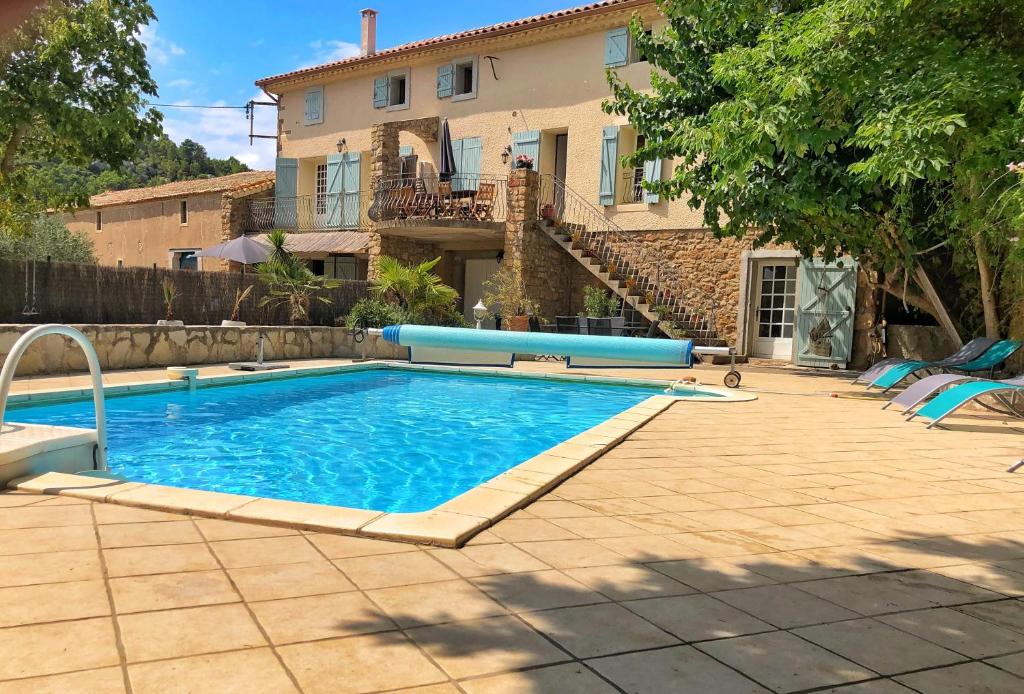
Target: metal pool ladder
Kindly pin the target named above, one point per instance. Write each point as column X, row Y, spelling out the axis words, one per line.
column 11, row 364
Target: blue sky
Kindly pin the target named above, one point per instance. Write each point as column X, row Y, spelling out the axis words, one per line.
column 210, row 52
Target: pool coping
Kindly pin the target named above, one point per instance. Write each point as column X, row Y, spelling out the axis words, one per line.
column 450, row 524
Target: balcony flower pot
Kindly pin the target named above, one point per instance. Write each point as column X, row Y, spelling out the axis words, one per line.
column 518, row 324
column 547, row 211
column 524, row 162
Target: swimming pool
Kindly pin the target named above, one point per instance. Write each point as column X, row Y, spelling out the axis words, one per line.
column 385, row 440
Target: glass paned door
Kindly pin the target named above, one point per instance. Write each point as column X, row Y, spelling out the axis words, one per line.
column 774, row 310
column 320, row 201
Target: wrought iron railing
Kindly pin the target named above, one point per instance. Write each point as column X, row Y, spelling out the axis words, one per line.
column 327, row 212
column 636, row 269
column 631, row 190
column 464, row 198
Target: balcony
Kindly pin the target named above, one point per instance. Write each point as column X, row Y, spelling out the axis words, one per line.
column 326, row 212
column 468, row 207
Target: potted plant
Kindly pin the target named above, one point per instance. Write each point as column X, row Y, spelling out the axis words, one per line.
column 524, row 161
column 547, row 212
column 630, row 283
column 170, row 296
column 240, row 296
column 506, row 291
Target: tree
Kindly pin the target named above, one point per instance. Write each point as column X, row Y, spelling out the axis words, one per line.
column 48, row 238
column 289, row 281
column 878, row 128
column 73, row 84
column 415, row 288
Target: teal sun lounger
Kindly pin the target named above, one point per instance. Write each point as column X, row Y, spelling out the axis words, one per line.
column 988, row 361
column 948, row 402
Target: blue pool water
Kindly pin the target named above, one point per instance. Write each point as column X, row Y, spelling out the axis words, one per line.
column 383, row 439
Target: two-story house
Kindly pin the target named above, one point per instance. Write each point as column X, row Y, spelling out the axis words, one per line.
column 360, row 147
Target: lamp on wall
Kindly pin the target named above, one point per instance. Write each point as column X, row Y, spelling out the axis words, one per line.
column 479, row 312
column 341, row 145
column 506, row 153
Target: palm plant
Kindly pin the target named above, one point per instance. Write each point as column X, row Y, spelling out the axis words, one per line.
column 290, row 282
column 170, row 293
column 240, row 296
column 415, row 288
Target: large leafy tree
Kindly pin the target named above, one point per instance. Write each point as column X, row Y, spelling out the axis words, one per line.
column 878, row 128
column 73, row 85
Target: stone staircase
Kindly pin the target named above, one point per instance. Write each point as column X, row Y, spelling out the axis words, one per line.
column 625, row 265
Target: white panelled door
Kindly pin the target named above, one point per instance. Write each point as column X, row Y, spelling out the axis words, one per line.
column 774, row 309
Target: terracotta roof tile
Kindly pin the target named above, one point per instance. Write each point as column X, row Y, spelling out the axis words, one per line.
column 234, row 183
column 482, row 32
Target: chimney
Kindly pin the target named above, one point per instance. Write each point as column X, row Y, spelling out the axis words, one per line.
column 369, row 43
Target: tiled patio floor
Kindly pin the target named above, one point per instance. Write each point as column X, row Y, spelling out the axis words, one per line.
column 798, row 542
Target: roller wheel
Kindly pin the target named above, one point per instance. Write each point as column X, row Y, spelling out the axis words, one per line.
column 732, row 379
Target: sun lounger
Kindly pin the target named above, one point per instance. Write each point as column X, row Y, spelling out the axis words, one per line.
column 992, row 358
column 972, row 350
column 919, row 391
column 945, row 404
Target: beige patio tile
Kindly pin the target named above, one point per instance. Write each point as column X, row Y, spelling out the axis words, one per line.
column 784, row 662
column 276, row 581
column 871, row 687
column 681, row 670
column 44, row 649
column 384, row 571
column 215, row 529
column 961, row 679
column 784, row 606
column 663, row 523
column 575, row 491
column 116, row 513
column 989, row 576
column 880, row 647
column 787, row 538
column 680, row 503
column 485, row 646
column 252, row 671
column 618, row 507
column 344, row 546
column 571, row 678
column 295, row 514
column 290, row 620
column 142, row 534
column 712, row 574
column 13, row 499
column 958, row 632
column 1005, row 613
column 50, row 567
column 102, row 681
column 723, row 519
column 158, row 559
column 1011, row 663
column 530, row 530
column 39, row 540
column 722, row 543
column 178, row 499
column 894, row 592
column 184, row 632
column 434, row 603
column 647, row 548
column 167, row 591
column 595, row 630
column 568, row 554
column 51, row 602
column 697, row 617
column 628, row 582
column 236, row 554
column 485, row 560
column 560, row 509
column 438, row 527
column 45, row 516
column 538, row 590
column 359, row 664
column 595, row 527
column 782, row 515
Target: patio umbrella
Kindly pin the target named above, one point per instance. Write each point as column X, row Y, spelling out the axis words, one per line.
column 446, row 166
column 241, row 250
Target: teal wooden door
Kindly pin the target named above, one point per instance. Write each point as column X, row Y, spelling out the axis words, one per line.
column 350, row 190
column 824, row 322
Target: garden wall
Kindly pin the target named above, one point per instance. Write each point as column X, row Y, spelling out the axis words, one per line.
column 144, row 346
column 93, row 294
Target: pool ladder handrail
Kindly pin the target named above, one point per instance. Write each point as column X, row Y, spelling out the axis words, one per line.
column 18, row 350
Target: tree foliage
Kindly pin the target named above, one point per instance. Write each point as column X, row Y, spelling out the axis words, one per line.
column 289, row 280
column 48, row 238
column 878, row 128
column 73, row 85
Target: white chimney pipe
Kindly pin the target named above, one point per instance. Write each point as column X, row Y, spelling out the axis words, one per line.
column 369, row 39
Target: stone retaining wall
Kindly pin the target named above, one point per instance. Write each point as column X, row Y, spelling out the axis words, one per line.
column 145, row 346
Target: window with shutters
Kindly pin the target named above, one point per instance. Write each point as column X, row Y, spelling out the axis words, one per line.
column 620, row 49
column 465, row 79
column 313, row 113
column 635, row 55
column 398, row 90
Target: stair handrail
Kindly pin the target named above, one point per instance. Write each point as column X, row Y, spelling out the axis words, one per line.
column 600, row 230
column 18, row 350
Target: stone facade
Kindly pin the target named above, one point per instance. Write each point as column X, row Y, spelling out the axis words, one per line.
column 146, row 346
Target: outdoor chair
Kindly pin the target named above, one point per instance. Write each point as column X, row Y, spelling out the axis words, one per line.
column 483, row 204
column 948, row 402
column 988, row 361
column 972, row 350
column 405, row 201
column 445, row 206
column 919, row 391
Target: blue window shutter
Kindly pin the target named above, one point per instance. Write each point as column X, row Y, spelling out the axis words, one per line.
column 609, row 164
column 467, row 165
column 285, row 184
column 333, row 202
column 826, row 298
column 350, row 190
column 314, row 106
column 445, row 80
column 405, row 150
column 616, row 47
column 652, row 173
column 526, row 142
column 380, row 92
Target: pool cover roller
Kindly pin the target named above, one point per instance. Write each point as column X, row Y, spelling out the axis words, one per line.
column 654, row 351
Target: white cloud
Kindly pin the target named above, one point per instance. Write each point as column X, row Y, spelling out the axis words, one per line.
column 181, row 84
column 225, row 132
column 329, row 50
column 158, row 49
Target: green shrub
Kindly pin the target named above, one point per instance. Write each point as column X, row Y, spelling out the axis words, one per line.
column 597, row 303
column 373, row 313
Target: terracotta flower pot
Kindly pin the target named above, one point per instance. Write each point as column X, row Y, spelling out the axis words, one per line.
column 519, row 324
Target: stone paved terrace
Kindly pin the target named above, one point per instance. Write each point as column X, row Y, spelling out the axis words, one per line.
column 795, row 543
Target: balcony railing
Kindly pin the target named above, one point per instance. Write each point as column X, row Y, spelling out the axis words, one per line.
column 632, row 190
column 328, row 212
column 465, row 198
